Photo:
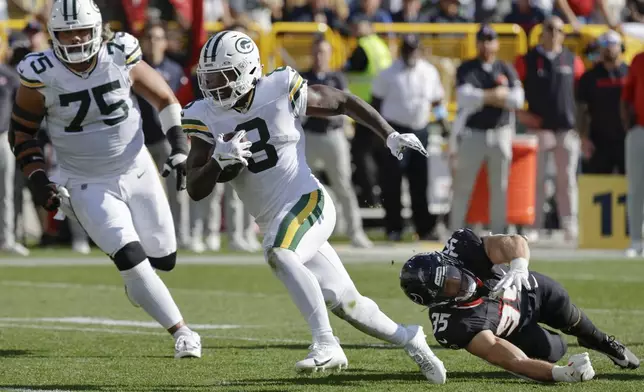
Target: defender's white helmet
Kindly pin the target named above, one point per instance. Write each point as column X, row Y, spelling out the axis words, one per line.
column 69, row 15
column 229, row 67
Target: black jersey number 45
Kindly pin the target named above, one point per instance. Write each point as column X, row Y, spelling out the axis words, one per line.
column 85, row 100
column 260, row 145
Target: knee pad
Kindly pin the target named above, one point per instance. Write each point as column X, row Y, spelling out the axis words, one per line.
column 129, row 256
column 165, row 263
column 557, row 349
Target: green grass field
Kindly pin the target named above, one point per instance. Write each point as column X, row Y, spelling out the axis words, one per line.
column 72, row 328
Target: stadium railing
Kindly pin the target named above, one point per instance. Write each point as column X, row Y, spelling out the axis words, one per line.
column 446, row 45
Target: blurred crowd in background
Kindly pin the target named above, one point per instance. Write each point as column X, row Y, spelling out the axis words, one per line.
column 346, row 157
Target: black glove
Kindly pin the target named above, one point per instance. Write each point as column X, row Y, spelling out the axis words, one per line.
column 176, row 161
column 44, row 191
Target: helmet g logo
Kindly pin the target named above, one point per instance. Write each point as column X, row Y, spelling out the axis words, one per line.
column 244, row 45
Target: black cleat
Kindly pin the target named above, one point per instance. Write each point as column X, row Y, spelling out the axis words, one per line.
column 613, row 349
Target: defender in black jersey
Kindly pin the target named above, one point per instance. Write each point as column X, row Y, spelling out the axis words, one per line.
column 479, row 304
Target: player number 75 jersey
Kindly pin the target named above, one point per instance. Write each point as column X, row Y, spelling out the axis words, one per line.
column 92, row 118
column 277, row 172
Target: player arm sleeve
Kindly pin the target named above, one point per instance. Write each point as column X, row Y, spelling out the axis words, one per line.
column 297, row 93
column 27, row 115
column 468, row 247
column 193, row 127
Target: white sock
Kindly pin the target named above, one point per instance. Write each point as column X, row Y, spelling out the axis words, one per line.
column 305, row 292
column 183, row 331
column 366, row 316
column 146, row 289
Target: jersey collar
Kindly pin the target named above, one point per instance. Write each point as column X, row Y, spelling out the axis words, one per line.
column 249, row 103
column 84, row 74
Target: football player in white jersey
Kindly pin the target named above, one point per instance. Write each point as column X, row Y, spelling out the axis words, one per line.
column 82, row 89
column 266, row 160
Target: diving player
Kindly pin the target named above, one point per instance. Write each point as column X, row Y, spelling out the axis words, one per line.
column 82, row 89
column 276, row 185
column 493, row 312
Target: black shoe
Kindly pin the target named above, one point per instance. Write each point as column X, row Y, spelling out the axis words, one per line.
column 613, row 349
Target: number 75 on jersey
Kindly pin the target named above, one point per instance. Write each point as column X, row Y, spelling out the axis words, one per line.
column 603, row 219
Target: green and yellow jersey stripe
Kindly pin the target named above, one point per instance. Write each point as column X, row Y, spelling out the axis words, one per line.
column 194, row 126
column 134, row 57
column 299, row 220
column 31, row 83
column 294, row 89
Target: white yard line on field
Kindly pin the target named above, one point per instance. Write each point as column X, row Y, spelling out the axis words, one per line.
column 121, row 331
column 32, row 390
column 119, row 323
column 66, row 285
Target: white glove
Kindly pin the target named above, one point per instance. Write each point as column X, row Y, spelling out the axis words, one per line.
column 578, row 369
column 518, row 276
column 233, row 151
column 397, row 142
column 65, row 208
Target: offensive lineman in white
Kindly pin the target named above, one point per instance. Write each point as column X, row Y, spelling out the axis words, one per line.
column 276, row 185
column 82, row 89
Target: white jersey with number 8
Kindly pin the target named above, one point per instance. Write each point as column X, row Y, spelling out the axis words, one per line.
column 277, row 173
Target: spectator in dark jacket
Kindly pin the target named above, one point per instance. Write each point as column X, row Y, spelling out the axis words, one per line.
column 317, row 11
column 525, row 15
column 371, row 11
column 410, row 13
column 449, row 11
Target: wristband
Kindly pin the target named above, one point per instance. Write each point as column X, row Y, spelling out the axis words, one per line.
column 170, row 117
column 519, row 263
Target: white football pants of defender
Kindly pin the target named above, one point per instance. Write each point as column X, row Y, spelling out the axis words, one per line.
column 297, row 249
column 128, row 208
